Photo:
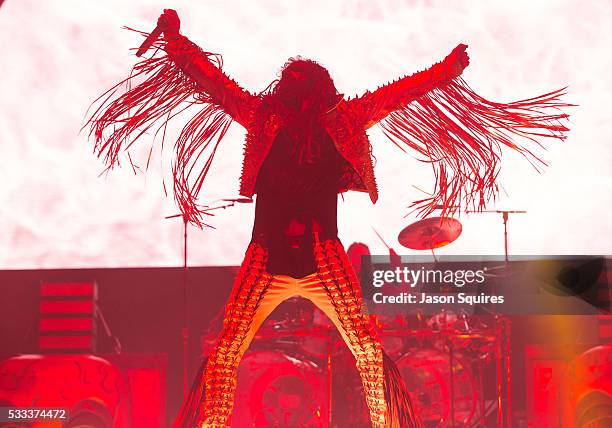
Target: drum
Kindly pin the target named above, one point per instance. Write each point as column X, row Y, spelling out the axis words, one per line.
column 276, row 390
column 442, row 321
column 427, row 376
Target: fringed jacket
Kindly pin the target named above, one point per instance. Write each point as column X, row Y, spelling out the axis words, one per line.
column 433, row 112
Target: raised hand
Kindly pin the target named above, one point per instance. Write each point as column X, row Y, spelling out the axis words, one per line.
column 169, row 23
column 457, row 60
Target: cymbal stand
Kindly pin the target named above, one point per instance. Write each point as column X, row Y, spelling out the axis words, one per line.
column 503, row 336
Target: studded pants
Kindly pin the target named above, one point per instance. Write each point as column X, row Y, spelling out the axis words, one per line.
column 333, row 288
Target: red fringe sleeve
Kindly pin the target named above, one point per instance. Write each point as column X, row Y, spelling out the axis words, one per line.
column 156, row 91
column 461, row 134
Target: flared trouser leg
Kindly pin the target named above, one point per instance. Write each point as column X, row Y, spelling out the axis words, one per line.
column 255, row 295
column 250, row 303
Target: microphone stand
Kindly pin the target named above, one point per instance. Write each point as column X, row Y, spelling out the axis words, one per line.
column 184, row 329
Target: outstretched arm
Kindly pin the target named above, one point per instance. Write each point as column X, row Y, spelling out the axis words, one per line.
column 185, row 82
column 205, row 69
column 436, row 115
column 373, row 107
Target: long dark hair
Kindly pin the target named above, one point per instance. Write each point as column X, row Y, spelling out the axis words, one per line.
column 302, row 95
column 305, row 85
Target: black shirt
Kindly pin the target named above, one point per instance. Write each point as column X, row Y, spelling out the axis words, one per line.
column 297, row 193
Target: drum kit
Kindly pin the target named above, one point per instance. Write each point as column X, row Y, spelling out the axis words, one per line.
column 444, row 360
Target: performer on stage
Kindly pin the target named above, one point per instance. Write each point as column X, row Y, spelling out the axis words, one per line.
column 305, row 144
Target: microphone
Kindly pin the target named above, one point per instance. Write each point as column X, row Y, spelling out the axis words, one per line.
column 151, row 38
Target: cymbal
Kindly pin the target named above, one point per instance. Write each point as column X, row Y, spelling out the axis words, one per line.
column 430, row 233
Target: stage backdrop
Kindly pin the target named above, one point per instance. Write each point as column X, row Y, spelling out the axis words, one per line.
column 57, row 56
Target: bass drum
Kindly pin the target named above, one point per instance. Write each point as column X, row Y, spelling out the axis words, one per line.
column 275, row 390
column 427, row 375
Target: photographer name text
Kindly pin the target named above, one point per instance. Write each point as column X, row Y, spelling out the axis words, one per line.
column 430, row 299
